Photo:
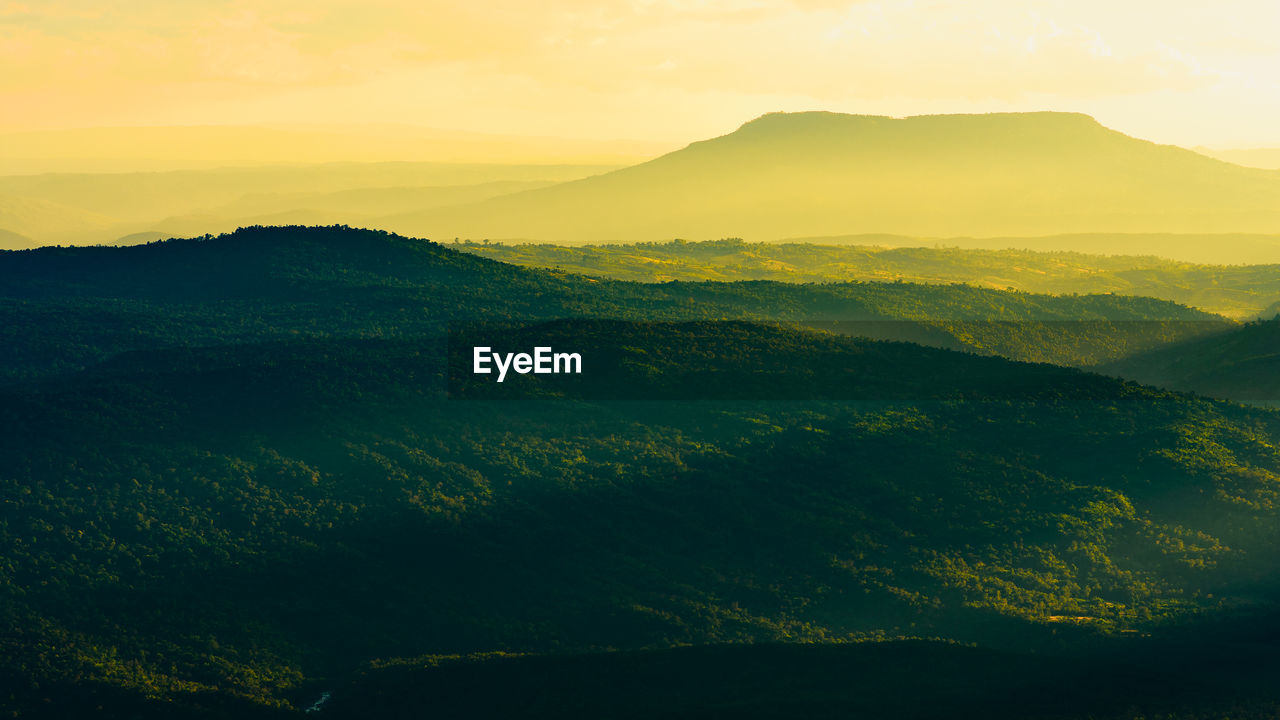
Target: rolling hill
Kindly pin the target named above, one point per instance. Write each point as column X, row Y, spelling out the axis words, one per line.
column 93, row 208
column 1238, row 292
column 1198, row 248
column 125, row 149
column 1241, row 364
column 65, row 308
column 10, row 240
column 34, row 218
column 233, row 479
column 812, row 174
column 230, row 530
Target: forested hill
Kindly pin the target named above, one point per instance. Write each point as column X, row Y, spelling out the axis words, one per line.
column 1225, row 673
column 232, row 479
column 813, row 174
column 64, row 309
column 1243, row 364
column 228, row 531
column 1232, row 290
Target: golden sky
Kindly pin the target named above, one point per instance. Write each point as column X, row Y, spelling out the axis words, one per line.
column 1173, row 71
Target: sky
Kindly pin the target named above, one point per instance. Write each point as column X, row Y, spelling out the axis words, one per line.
column 1174, row 71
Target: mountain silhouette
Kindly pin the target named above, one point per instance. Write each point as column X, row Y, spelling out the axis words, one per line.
column 821, row 173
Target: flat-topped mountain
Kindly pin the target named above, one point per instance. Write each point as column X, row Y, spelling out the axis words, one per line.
column 818, row 173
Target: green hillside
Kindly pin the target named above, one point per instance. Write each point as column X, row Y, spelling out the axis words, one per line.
column 811, row 174
column 67, row 308
column 1241, row 364
column 234, row 479
column 256, row 522
column 1227, row 676
column 1227, row 290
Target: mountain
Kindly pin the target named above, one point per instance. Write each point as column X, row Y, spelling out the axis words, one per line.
column 798, row 174
column 1240, row 364
column 1238, row 292
column 378, row 200
column 343, row 207
column 33, row 217
column 10, row 240
column 1267, row 158
column 91, row 208
column 203, row 147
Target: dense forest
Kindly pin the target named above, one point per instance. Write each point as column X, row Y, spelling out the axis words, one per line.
column 1242, row 364
column 64, row 309
column 1226, row 676
column 236, row 481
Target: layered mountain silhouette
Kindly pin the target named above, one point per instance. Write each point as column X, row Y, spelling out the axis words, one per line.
column 93, row 208
column 10, row 240
column 820, row 173
column 1010, row 178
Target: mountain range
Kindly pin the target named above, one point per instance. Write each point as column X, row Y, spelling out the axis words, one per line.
column 811, row 174
column 1053, row 181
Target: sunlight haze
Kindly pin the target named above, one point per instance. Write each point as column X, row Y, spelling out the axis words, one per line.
column 1189, row 73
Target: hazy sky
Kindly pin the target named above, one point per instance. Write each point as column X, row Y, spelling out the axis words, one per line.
column 1173, row 71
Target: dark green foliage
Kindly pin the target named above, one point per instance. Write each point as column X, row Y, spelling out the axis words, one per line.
column 1187, row 678
column 63, row 309
column 1242, row 364
column 244, row 520
column 233, row 529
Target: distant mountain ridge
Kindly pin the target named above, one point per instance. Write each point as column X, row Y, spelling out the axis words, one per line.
column 1265, row 157
column 821, row 173
column 89, row 208
column 193, row 147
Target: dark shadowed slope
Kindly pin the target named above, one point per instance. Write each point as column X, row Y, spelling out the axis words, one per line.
column 255, row 522
column 789, row 175
column 1211, row 677
column 1243, row 364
